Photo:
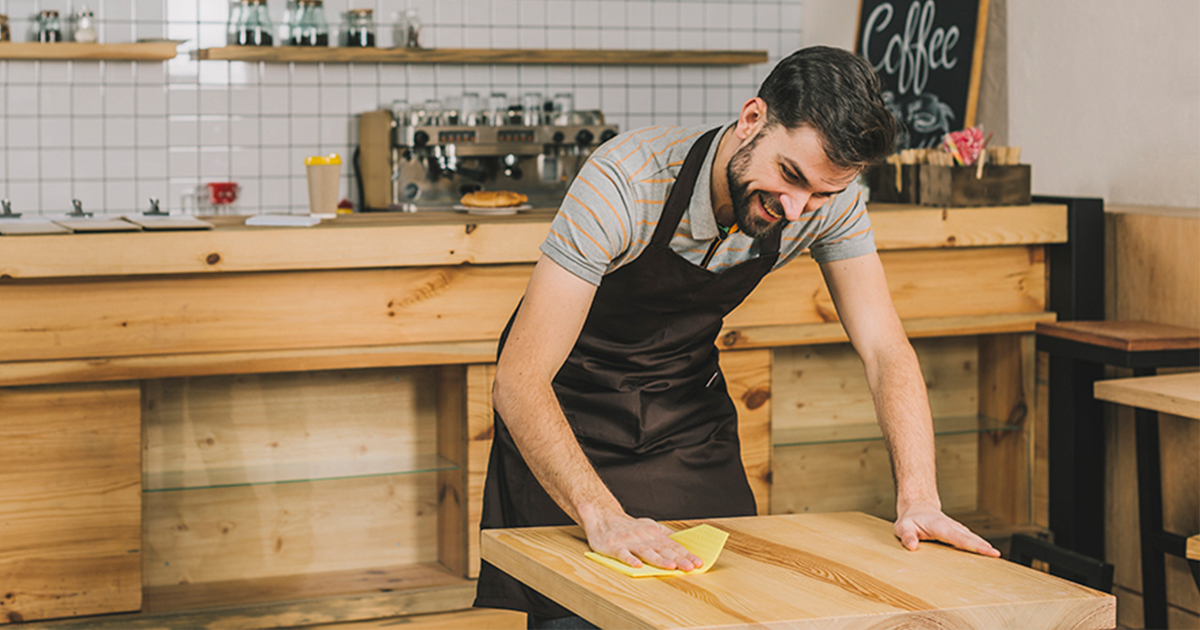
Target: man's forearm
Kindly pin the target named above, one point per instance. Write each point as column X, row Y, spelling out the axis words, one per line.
column 531, row 412
column 902, row 406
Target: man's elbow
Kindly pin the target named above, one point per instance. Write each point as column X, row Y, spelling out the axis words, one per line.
column 512, row 380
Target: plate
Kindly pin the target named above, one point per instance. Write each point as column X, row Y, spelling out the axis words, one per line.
column 493, row 211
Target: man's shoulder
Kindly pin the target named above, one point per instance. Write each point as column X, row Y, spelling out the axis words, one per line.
column 641, row 154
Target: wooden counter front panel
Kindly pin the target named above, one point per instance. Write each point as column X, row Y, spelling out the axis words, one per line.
column 227, row 438
column 147, row 316
column 70, row 501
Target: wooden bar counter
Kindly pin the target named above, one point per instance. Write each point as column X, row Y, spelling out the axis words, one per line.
column 313, row 404
column 836, row 571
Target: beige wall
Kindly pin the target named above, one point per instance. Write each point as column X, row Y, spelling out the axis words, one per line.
column 1103, row 95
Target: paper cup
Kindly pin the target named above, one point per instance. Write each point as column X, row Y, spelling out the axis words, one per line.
column 323, row 187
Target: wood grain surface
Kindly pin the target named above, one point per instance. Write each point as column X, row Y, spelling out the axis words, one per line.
column 1177, row 394
column 70, row 501
column 139, row 51
column 1129, row 336
column 828, row 571
column 1193, row 547
column 397, row 239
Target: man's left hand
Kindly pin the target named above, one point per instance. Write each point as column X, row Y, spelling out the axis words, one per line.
column 929, row 523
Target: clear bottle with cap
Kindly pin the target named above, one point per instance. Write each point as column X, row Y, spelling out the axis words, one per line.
column 360, row 28
column 309, row 27
column 49, row 27
column 254, row 24
column 85, row 26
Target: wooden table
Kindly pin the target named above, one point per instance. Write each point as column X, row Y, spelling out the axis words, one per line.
column 1176, row 394
column 829, row 571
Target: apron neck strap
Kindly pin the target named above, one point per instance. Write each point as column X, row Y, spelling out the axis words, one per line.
column 681, row 191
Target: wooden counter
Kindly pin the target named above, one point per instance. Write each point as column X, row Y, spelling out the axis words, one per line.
column 829, row 571
column 298, row 383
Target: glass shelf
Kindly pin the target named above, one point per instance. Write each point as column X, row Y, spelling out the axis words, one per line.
column 954, row 425
column 292, row 472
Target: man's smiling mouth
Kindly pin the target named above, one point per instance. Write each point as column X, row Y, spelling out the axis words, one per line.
column 762, row 202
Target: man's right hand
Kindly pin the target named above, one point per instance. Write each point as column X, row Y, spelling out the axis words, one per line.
column 636, row 540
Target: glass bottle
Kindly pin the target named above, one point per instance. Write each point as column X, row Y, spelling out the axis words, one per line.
column 309, row 27
column 49, row 28
column 85, row 26
column 254, row 28
column 4, row 32
column 360, row 29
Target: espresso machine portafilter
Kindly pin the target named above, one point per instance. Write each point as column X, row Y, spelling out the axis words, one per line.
column 428, row 159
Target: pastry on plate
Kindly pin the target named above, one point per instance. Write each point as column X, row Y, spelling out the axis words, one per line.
column 493, row 199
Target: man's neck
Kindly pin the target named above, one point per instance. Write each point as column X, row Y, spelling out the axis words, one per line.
column 719, row 189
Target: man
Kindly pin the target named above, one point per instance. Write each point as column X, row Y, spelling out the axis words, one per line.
column 611, row 411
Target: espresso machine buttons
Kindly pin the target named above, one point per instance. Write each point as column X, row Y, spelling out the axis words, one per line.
column 584, row 137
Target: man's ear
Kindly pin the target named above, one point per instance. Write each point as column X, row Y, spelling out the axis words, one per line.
column 752, row 119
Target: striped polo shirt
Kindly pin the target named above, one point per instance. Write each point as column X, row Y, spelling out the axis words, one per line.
column 614, row 204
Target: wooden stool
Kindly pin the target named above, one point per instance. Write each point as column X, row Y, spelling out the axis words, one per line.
column 1078, row 353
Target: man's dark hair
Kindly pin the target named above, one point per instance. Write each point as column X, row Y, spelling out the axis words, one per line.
column 838, row 94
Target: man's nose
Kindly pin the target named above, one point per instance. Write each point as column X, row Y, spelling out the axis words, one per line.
column 793, row 204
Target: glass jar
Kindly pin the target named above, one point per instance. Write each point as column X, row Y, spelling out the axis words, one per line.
column 360, row 28
column 49, row 28
column 531, row 109
column 4, row 32
column 309, row 27
column 85, row 26
column 231, row 27
column 408, row 30
column 254, row 24
column 563, row 108
column 469, row 113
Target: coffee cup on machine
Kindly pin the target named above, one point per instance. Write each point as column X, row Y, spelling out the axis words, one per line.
column 324, row 173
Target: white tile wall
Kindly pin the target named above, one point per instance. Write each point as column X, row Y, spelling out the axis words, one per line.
column 115, row 133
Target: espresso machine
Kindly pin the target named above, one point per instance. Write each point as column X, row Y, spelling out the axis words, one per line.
column 427, row 157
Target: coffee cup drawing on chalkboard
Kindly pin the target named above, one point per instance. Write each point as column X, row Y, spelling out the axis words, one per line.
column 928, row 56
column 926, row 118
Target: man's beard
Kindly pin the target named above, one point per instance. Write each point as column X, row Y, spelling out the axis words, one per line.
column 749, row 222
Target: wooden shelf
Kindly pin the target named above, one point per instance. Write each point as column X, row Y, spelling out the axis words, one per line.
column 307, row 54
column 285, row 601
column 66, row 51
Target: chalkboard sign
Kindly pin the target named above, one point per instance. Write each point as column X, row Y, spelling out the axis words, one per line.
column 929, row 54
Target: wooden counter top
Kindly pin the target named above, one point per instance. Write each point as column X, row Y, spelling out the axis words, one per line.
column 440, row 238
column 828, row 571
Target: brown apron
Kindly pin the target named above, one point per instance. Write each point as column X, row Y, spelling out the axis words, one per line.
column 644, row 395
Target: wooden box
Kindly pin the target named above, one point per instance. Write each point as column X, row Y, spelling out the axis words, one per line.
column 883, row 182
column 957, row 186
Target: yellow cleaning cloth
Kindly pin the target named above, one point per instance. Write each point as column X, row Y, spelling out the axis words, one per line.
column 705, row 541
